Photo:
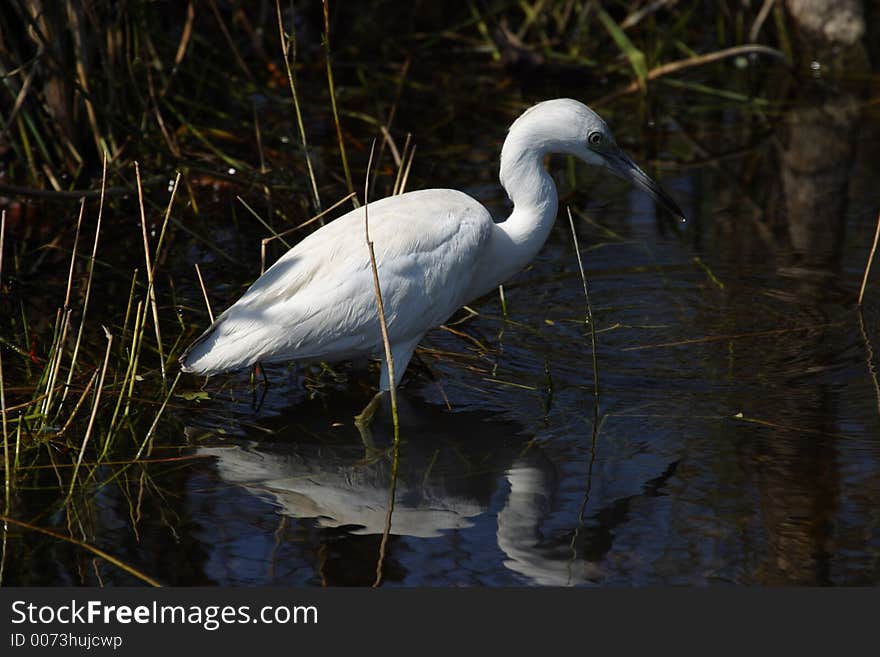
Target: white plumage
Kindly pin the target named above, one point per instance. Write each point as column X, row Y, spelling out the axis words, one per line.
column 436, row 250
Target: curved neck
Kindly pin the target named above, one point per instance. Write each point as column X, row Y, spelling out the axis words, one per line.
column 534, row 197
column 515, row 241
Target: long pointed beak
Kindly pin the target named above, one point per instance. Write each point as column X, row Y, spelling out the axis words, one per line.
column 621, row 164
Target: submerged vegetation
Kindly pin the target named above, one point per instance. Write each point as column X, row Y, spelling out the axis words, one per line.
column 130, row 129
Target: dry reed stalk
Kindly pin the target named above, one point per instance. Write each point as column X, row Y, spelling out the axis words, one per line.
column 204, row 293
column 58, row 351
column 94, row 414
column 183, row 44
column 230, row 42
column 389, row 140
column 690, row 62
column 91, row 548
column 120, row 396
column 412, row 155
column 151, row 291
column 870, row 261
column 403, row 166
column 386, row 531
column 155, row 423
column 76, row 194
column 288, row 51
column 160, row 120
column 731, row 336
column 636, row 16
column 79, row 403
column 386, row 129
column 259, row 135
column 85, row 305
column 130, row 373
column 75, row 31
column 503, row 301
column 7, row 471
column 759, row 20
column 279, row 236
column 128, row 306
column 137, row 344
column 393, row 386
column 383, row 324
column 263, row 222
column 332, row 87
column 589, row 318
column 167, row 216
column 22, row 94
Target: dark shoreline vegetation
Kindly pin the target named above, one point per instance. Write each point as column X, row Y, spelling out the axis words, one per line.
column 140, row 138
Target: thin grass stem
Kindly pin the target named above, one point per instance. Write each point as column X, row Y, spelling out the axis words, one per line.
column 85, row 305
column 288, row 51
column 155, row 423
column 151, row 291
column 401, row 165
column 872, row 371
column 128, row 374
column 683, row 64
column 389, row 358
column 386, row 532
column 131, row 291
column 7, row 485
column 870, row 261
column 79, row 402
column 261, row 220
column 332, row 87
column 589, row 318
column 204, row 293
column 137, row 344
column 278, row 236
column 412, row 155
column 95, row 405
column 165, row 219
column 91, row 548
column 58, row 354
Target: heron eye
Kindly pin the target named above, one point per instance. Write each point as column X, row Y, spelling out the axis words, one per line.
column 595, row 138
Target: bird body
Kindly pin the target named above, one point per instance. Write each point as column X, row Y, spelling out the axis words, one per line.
column 436, row 250
column 318, row 301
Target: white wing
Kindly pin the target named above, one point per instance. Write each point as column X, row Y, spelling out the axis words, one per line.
column 317, row 302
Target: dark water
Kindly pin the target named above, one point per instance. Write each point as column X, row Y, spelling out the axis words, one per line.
column 737, row 435
column 737, row 439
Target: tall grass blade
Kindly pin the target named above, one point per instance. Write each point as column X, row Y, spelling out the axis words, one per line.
column 58, row 354
column 278, row 236
column 204, row 293
column 7, row 471
column 151, row 290
column 386, row 532
column 870, row 261
column 288, row 51
column 153, row 426
column 85, row 305
column 389, row 358
column 91, row 548
column 589, row 317
column 95, row 405
column 332, row 88
column 129, row 374
column 635, row 56
column 79, row 403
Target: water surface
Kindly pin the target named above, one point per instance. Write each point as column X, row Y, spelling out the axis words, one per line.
column 736, row 438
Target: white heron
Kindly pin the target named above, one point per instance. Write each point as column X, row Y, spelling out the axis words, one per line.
column 436, row 250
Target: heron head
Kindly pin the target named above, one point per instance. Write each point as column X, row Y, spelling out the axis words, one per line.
column 564, row 125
